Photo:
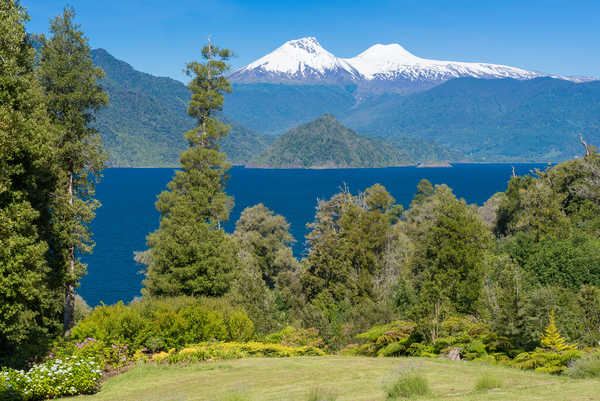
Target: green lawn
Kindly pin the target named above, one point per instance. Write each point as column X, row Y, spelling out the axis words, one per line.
column 350, row 378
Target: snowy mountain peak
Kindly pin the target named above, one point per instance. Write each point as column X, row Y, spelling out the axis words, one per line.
column 379, row 59
column 309, row 44
column 299, row 57
column 381, row 68
column 392, row 51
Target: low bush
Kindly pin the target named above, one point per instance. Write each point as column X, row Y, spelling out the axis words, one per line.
column 488, row 382
column 51, row 379
column 409, row 383
column 586, row 367
column 392, row 339
column 109, row 356
column 546, row 361
column 234, row 350
column 161, row 324
column 320, row 394
column 296, row 337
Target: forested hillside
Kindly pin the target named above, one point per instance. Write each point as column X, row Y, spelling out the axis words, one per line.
column 463, row 119
column 144, row 123
column 493, row 120
column 326, row 143
column 484, row 119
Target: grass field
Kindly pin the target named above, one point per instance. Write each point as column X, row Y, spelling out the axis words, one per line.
column 348, row 378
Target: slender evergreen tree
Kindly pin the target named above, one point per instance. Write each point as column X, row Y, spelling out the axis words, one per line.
column 190, row 253
column 73, row 95
column 27, row 317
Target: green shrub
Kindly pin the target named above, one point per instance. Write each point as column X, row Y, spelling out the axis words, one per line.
column 546, row 361
column 160, row 324
column 409, row 383
column 487, row 382
column 233, row 350
column 240, row 327
column 115, row 323
column 392, row 339
column 320, row 394
column 293, row 336
column 52, row 379
column 586, row 367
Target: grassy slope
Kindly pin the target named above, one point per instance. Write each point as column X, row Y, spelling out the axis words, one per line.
column 352, row 379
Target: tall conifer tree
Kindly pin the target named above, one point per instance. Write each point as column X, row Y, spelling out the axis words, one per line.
column 27, row 317
column 190, row 253
column 73, row 95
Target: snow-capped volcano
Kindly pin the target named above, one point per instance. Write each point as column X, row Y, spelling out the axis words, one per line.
column 390, row 62
column 302, row 60
column 380, row 68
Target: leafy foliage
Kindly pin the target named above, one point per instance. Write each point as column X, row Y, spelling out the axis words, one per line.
column 551, row 339
column 233, row 350
column 30, row 305
column 69, row 79
column 587, row 366
column 295, row 337
column 163, row 324
column 266, row 236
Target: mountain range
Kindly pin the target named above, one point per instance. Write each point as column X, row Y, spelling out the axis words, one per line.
column 146, row 119
column 380, row 68
column 429, row 111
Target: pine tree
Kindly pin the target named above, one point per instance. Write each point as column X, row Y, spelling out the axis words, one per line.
column 551, row 338
column 190, row 253
column 73, row 95
column 27, row 317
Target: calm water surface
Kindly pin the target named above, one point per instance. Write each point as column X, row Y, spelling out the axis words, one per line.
column 127, row 214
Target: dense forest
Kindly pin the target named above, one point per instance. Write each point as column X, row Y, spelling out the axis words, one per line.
column 497, row 120
column 515, row 281
column 326, row 143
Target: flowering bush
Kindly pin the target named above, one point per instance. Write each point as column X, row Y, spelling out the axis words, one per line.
column 87, row 348
column 52, row 379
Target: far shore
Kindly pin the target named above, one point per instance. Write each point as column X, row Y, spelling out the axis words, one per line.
column 424, row 165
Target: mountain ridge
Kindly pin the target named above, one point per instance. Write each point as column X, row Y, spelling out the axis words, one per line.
column 146, row 118
column 380, row 68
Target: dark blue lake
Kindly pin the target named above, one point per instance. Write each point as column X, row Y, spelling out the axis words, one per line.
column 127, row 214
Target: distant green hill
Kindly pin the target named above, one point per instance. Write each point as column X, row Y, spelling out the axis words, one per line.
column 325, row 143
column 486, row 119
column 493, row 120
column 146, row 118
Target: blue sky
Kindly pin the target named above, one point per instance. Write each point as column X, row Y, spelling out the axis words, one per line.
column 160, row 36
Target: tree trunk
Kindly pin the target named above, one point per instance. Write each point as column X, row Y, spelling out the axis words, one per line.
column 69, row 314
